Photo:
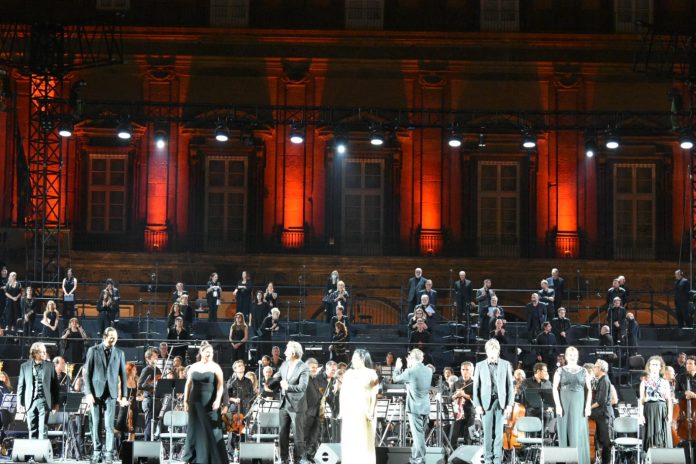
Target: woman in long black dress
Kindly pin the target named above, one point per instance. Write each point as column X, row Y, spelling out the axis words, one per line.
column 74, row 338
column 338, row 350
column 213, row 295
column 259, row 311
column 50, row 320
column 30, row 306
column 243, row 294
column 13, row 292
column 69, row 287
column 202, row 398
column 239, row 334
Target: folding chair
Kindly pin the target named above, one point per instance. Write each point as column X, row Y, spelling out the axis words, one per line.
column 174, row 420
column 625, row 445
column 531, row 444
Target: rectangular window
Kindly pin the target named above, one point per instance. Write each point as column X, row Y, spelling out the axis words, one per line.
column 364, row 14
column 500, row 15
column 627, row 13
column 226, row 202
column 363, row 206
column 113, row 4
column 498, row 209
column 107, row 193
column 634, row 211
column 229, row 13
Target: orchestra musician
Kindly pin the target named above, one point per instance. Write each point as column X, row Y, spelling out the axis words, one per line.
column 602, row 411
column 241, row 394
column 315, row 394
column 463, row 405
column 146, row 383
column 540, row 380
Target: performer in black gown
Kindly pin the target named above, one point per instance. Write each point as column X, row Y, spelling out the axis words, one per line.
column 202, row 398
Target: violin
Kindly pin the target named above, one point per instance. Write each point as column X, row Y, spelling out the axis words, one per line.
column 234, row 423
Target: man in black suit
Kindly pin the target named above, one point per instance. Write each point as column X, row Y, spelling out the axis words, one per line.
column 463, row 294
column 546, row 345
column 432, row 293
column 557, row 283
column 616, row 291
column 415, row 285
column 483, row 299
column 602, row 411
column 315, row 391
column 561, row 327
column 104, row 368
column 37, row 390
column 294, row 377
column 536, row 316
column 681, row 298
column 616, row 318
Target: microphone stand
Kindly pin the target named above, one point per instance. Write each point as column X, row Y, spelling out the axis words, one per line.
column 154, row 392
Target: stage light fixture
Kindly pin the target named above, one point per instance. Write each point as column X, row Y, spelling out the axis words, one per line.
column 161, row 139
column 222, row 132
column 341, row 144
column 686, row 140
column 612, row 141
column 590, row 146
column 455, row 139
column 124, row 130
column 377, row 137
column 296, row 134
column 482, row 139
column 65, row 128
column 529, row 140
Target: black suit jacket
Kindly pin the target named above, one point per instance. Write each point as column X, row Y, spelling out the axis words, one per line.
column 536, row 318
column 463, row 294
column 101, row 378
column 294, row 398
column 25, row 386
column 415, row 285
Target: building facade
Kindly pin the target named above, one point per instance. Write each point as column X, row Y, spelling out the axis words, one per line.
column 414, row 73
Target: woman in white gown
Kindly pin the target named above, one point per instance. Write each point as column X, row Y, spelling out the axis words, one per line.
column 358, row 400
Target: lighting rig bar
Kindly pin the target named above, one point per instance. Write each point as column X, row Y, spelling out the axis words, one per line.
column 208, row 115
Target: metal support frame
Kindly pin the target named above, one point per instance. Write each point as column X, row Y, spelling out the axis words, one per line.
column 46, row 52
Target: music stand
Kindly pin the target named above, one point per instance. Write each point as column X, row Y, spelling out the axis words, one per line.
column 72, row 404
column 9, row 402
column 168, row 387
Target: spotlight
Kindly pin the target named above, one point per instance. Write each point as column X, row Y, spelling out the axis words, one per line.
column 341, row 144
column 296, row 135
column 612, row 141
column 482, row 139
column 529, row 140
column 377, row 137
column 590, row 147
column 160, row 139
column 222, row 133
column 686, row 141
column 124, row 130
column 65, row 129
column 455, row 139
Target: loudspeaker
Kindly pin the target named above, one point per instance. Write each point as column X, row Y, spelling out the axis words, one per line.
column 398, row 455
column 555, row 454
column 256, row 453
column 666, row 456
column 38, row 450
column 328, row 453
column 467, row 454
column 138, row 452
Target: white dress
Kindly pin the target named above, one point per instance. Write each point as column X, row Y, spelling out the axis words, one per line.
column 358, row 391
